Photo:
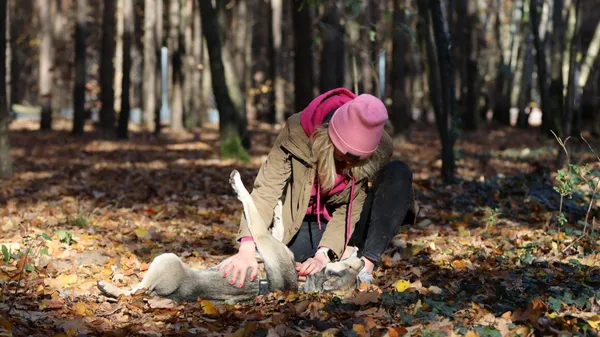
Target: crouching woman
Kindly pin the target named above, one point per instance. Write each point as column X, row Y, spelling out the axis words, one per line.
column 341, row 193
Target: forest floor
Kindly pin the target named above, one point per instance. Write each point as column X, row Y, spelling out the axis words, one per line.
column 485, row 257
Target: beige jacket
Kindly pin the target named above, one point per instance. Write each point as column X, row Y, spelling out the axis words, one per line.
column 288, row 174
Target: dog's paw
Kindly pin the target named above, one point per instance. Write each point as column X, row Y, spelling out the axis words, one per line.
column 109, row 290
column 342, row 275
column 233, row 176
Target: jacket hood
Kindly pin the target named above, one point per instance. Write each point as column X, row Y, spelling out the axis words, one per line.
column 312, row 116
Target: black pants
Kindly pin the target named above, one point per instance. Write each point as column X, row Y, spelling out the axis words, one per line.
column 384, row 211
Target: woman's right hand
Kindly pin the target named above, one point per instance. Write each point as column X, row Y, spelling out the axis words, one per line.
column 236, row 267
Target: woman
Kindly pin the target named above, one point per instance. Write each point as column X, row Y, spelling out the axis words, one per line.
column 321, row 166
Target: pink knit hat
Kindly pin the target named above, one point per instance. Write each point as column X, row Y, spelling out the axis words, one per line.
column 356, row 127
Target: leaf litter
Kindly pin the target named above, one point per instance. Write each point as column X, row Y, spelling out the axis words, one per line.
column 89, row 209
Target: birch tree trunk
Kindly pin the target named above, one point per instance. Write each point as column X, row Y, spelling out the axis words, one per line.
column 6, row 168
column 46, row 64
column 107, row 68
column 80, row 68
column 277, row 13
column 128, row 24
column 197, row 115
column 118, row 84
column 187, row 29
column 175, row 48
column 149, row 82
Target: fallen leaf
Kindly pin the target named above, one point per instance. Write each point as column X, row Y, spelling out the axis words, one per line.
column 80, row 308
column 161, row 303
column 301, row 307
column 141, row 233
column 365, row 297
column 401, row 285
column 359, row 329
column 435, row 290
column 208, row 307
column 459, row 264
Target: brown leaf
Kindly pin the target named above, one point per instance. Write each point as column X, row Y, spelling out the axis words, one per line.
column 161, row 303
column 365, row 297
column 301, row 307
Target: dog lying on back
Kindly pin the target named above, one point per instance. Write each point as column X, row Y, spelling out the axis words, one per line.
column 169, row 277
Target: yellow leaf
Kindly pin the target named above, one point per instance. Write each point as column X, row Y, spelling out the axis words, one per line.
column 401, row 285
column 209, row 307
column 359, row 329
column 67, row 279
column 594, row 321
column 141, row 233
column 472, row 334
column 80, row 308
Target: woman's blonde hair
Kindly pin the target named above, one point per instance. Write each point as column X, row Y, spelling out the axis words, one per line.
column 322, row 149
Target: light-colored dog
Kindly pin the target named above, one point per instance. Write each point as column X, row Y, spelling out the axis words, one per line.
column 169, row 277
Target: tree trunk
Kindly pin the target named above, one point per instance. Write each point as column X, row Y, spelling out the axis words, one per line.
column 159, row 32
column 572, row 99
column 332, row 54
column 263, row 68
column 303, row 60
column 400, row 112
column 175, row 49
column 197, row 115
column 466, row 34
column 80, row 69
column 446, row 71
column 232, row 78
column 123, row 131
column 542, row 69
column 149, row 82
column 187, row 30
column 6, row 169
column 505, row 35
column 118, row 81
column 432, row 70
column 228, row 119
column 9, row 60
column 277, row 25
column 365, row 47
column 46, row 64
column 107, row 68
column 556, row 78
column 375, row 45
column 137, row 59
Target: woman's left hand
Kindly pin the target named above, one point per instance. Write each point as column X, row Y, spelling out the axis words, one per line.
column 312, row 265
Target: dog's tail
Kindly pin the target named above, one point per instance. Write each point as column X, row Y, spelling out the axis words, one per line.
column 277, row 258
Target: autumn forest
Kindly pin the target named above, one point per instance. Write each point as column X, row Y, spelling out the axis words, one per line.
column 121, row 120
